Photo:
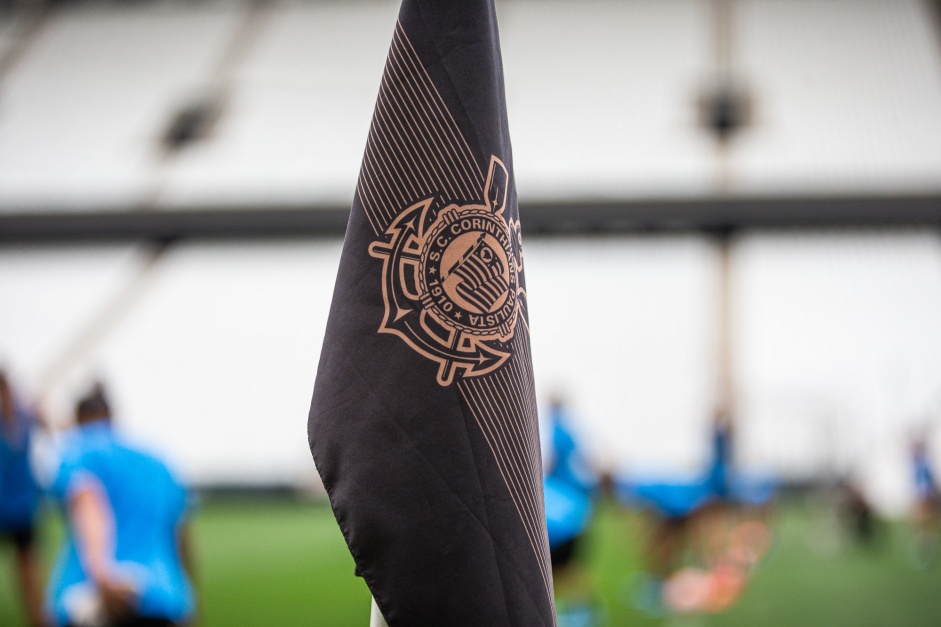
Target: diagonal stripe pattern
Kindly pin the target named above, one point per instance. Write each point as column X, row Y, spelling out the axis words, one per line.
column 504, row 406
column 415, row 149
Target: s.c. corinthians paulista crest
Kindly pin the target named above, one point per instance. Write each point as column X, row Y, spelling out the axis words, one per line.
column 450, row 279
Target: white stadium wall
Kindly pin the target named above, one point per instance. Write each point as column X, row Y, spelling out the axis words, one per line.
column 210, row 351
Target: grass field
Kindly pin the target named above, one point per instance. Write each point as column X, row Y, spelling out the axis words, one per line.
column 281, row 563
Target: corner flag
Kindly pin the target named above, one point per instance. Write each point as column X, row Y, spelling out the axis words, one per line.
column 423, row 419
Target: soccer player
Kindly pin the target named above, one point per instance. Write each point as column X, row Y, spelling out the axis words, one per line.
column 19, row 496
column 721, row 465
column 126, row 556
column 927, row 504
column 569, row 486
column 702, row 517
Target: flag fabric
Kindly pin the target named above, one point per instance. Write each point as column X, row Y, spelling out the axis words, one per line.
column 423, row 419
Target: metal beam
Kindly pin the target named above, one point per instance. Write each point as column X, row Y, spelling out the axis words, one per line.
column 710, row 215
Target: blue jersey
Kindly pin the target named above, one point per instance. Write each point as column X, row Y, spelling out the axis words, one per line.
column 568, row 485
column 670, row 499
column 568, row 464
column 19, row 495
column 925, row 486
column 720, row 468
column 148, row 504
column 568, row 511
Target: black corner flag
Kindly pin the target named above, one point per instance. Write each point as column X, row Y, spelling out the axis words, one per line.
column 423, row 420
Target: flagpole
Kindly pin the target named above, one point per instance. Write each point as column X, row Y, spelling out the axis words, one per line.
column 375, row 617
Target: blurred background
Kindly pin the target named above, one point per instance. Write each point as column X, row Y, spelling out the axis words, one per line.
column 725, row 202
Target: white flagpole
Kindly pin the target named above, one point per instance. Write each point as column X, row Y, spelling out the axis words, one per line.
column 375, row 617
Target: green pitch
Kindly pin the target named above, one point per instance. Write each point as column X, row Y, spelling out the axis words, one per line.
column 258, row 563
column 814, row 574
column 282, row 563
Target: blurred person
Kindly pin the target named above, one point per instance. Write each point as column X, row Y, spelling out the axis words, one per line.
column 737, row 500
column 717, row 519
column 568, row 462
column 671, row 507
column 732, row 528
column 684, row 516
column 126, row 558
column 927, row 514
column 856, row 512
column 19, row 496
column 720, row 468
column 569, row 486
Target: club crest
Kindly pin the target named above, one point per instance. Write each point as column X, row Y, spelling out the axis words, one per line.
column 450, row 280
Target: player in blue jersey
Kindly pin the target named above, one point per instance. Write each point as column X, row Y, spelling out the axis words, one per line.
column 125, row 558
column 570, row 483
column 720, row 468
column 569, row 487
column 927, row 505
column 714, row 518
column 926, row 487
column 19, row 496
